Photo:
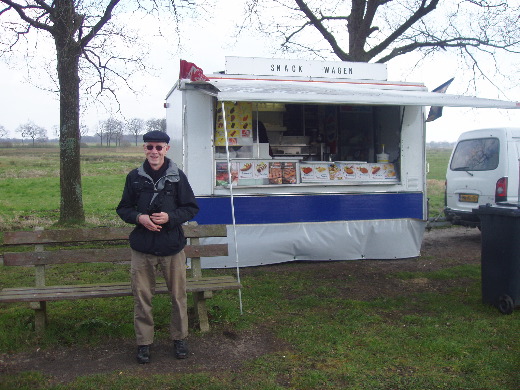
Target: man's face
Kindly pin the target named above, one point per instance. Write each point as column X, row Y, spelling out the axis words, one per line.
column 154, row 156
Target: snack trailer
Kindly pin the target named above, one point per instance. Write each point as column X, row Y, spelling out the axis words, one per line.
column 306, row 160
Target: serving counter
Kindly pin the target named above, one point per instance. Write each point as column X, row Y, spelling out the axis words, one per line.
column 257, row 172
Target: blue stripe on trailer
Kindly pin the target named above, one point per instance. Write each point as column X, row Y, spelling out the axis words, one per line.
column 310, row 208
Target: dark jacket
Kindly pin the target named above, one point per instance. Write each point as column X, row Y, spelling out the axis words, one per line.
column 172, row 194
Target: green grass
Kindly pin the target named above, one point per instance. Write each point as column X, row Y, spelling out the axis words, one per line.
column 30, row 185
column 425, row 340
column 437, row 160
column 422, row 341
column 438, row 163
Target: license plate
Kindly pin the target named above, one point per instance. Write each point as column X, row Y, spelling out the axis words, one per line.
column 470, row 198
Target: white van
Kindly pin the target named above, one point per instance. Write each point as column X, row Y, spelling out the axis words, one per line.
column 483, row 169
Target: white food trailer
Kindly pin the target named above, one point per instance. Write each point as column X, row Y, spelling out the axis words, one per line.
column 307, row 160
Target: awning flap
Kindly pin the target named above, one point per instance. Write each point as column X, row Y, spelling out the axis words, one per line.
column 290, row 91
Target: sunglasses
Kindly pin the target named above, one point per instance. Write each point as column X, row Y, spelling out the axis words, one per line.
column 157, row 147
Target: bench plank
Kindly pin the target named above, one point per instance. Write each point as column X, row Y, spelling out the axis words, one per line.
column 106, row 290
column 109, row 249
column 99, row 234
column 106, row 255
column 65, row 236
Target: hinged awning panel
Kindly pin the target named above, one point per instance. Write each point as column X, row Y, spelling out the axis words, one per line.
column 313, row 91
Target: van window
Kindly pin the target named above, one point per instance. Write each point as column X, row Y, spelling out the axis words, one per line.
column 479, row 154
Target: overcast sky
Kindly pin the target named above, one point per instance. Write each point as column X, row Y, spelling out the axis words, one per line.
column 207, row 46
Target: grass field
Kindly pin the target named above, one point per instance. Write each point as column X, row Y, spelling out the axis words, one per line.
column 437, row 162
column 29, row 184
column 428, row 340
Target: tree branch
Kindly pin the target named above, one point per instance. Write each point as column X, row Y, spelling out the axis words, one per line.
column 99, row 25
column 462, row 42
column 20, row 10
column 416, row 16
column 324, row 32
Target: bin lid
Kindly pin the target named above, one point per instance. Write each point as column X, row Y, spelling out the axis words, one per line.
column 509, row 209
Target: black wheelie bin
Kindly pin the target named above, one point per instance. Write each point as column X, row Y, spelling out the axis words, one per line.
column 500, row 257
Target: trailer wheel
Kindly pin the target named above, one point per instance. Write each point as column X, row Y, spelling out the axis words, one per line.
column 506, row 304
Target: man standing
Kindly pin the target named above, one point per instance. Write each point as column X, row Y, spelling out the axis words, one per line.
column 158, row 199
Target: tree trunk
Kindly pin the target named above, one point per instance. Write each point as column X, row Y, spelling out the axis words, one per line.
column 71, row 200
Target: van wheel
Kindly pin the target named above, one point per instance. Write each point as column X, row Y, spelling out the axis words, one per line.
column 506, row 304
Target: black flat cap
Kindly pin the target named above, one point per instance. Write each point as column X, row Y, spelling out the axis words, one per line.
column 156, row 136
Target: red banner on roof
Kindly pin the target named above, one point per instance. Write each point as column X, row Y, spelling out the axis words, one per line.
column 189, row 70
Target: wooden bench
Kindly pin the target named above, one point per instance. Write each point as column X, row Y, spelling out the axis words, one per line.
column 38, row 295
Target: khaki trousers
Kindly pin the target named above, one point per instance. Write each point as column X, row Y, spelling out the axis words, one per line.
column 143, row 270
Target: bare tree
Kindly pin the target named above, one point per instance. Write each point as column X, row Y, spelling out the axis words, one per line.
column 83, row 130
column 135, row 127
column 381, row 30
column 86, row 40
column 3, row 132
column 100, row 133
column 118, row 135
column 156, row 124
column 33, row 131
column 112, row 129
column 55, row 130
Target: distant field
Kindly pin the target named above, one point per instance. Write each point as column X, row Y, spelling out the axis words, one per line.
column 437, row 160
column 29, row 183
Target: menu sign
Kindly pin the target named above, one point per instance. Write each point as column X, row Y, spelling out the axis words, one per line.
column 346, row 171
column 289, row 173
column 363, row 171
column 222, row 173
column 236, row 120
column 262, row 172
column 245, row 170
column 349, row 170
column 275, row 172
column 335, row 172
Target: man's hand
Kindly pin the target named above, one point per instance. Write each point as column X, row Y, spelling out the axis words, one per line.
column 148, row 222
column 160, row 218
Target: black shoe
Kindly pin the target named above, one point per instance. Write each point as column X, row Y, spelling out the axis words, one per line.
column 143, row 354
column 181, row 349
